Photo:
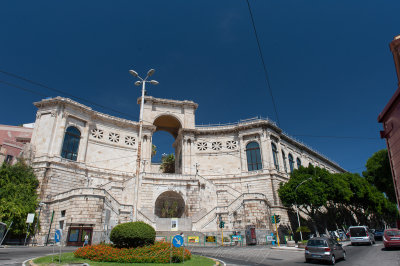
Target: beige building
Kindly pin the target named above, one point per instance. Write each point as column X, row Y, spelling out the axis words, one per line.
column 86, row 162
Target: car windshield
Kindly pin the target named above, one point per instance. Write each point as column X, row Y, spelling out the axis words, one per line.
column 316, row 243
column 393, row 233
column 358, row 231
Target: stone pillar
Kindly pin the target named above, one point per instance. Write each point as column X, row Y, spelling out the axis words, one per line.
column 242, row 153
column 266, row 151
column 84, row 143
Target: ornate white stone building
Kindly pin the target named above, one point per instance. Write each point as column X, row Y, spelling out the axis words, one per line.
column 86, row 161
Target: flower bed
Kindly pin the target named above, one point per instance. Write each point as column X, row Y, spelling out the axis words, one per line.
column 157, row 253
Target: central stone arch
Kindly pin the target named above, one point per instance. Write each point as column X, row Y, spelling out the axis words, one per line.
column 169, row 204
column 169, row 123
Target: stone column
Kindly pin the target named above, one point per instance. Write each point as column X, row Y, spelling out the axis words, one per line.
column 84, row 143
column 242, row 153
column 266, row 151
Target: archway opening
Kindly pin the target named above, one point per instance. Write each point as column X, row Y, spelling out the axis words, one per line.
column 169, row 204
column 163, row 142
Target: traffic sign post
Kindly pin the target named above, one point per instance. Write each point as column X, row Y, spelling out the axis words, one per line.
column 29, row 220
column 177, row 241
column 276, row 227
column 57, row 239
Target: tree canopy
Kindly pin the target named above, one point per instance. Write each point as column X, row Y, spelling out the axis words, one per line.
column 18, row 195
column 341, row 198
column 379, row 174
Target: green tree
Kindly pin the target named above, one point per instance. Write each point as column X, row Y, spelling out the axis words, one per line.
column 307, row 189
column 153, row 150
column 379, row 173
column 18, row 195
column 168, row 163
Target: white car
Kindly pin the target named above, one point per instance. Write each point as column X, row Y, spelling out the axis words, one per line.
column 361, row 235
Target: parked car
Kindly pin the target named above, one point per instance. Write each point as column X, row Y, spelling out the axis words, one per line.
column 378, row 234
column 324, row 249
column 391, row 238
column 361, row 235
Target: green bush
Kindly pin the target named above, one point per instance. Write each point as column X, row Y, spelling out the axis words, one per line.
column 133, row 234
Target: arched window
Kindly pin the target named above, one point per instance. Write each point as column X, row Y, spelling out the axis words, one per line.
column 71, row 143
column 284, row 161
column 291, row 162
column 275, row 155
column 253, row 156
column 298, row 163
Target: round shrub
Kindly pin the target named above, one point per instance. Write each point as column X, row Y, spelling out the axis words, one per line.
column 133, row 234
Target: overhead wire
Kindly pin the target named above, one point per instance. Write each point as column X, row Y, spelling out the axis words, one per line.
column 117, row 111
column 263, row 62
column 59, row 91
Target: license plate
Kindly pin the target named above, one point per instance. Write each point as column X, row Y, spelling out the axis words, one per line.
column 316, row 256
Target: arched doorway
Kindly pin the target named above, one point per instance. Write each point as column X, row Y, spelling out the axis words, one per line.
column 169, row 204
column 166, row 126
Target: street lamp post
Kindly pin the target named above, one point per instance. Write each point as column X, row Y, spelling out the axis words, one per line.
column 297, row 206
column 139, row 150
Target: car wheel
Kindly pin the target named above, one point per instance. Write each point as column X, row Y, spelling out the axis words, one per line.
column 333, row 261
column 308, row 260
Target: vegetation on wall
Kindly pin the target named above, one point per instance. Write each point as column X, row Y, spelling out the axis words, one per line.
column 168, row 163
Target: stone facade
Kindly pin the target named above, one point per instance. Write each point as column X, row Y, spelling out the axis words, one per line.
column 96, row 188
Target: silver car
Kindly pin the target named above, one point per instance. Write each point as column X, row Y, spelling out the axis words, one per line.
column 361, row 235
column 325, row 249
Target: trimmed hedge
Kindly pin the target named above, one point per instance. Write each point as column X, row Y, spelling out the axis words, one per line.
column 157, row 253
column 132, row 235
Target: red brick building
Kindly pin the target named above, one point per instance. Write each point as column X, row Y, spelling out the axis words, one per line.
column 390, row 117
column 12, row 141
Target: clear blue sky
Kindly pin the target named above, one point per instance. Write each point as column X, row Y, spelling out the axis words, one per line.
column 329, row 63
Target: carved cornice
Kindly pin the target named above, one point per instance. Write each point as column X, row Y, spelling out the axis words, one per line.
column 86, row 110
column 168, row 102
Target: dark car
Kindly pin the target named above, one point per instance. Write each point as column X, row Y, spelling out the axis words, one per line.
column 324, row 249
column 391, row 238
column 378, row 234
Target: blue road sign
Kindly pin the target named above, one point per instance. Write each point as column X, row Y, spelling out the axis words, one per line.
column 57, row 236
column 177, row 241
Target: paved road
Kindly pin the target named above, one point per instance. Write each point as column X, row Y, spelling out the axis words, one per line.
column 259, row 255
column 13, row 256
column 252, row 255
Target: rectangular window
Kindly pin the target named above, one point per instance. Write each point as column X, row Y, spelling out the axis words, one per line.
column 63, row 213
column 73, row 235
column 61, row 225
column 8, row 159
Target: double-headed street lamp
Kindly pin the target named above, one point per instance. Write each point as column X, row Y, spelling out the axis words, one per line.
column 139, row 150
column 297, row 207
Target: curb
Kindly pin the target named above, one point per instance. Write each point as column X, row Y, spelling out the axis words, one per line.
column 289, row 249
column 217, row 261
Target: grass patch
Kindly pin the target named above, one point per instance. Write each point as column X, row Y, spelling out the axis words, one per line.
column 68, row 258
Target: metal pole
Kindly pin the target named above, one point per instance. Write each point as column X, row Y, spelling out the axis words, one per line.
column 298, row 220
column 139, row 152
column 51, row 222
column 27, row 232
column 6, row 233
